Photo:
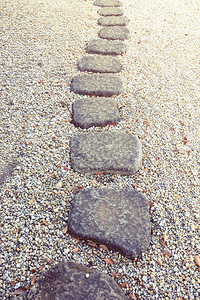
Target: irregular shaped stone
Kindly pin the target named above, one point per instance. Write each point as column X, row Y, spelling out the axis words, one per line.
column 110, row 11
column 107, row 152
column 117, row 218
column 106, row 3
column 112, row 21
column 6, row 169
column 99, row 63
column 106, row 47
column 95, row 112
column 97, row 85
column 72, row 281
column 114, row 33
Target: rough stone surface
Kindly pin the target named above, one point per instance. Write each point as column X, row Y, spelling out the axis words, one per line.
column 110, row 11
column 114, row 33
column 106, row 47
column 99, row 63
column 106, row 3
column 72, row 281
column 117, row 218
column 97, row 85
column 95, row 112
column 6, row 169
column 107, row 152
column 112, row 21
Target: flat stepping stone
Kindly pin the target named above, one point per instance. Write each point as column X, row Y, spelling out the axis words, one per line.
column 95, row 112
column 106, row 3
column 107, row 152
column 106, row 47
column 97, row 85
column 110, row 11
column 114, row 33
column 99, row 63
column 72, row 281
column 112, row 21
column 117, row 218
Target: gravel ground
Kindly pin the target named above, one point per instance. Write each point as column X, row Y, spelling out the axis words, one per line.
column 42, row 41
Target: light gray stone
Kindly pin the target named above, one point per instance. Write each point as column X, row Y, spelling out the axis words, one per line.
column 95, row 112
column 99, row 63
column 110, row 11
column 107, row 152
column 106, row 3
column 97, row 85
column 114, row 33
column 117, row 218
column 113, row 21
column 106, row 47
column 72, row 281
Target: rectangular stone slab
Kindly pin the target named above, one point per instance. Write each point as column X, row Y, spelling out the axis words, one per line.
column 110, row 11
column 112, row 21
column 106, row 47
column 107, row 152
column 95, row 112
column 114, row 33
column 100, row 64
column 106, row 3
column 97, row 85
column 117, row 218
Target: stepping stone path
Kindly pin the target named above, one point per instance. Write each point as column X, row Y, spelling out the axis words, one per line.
column 72, row 281
column 117, row 218
column 110, row 11
column 104, row 3
column 114, row 33
column 106, row 47
column 98, row 63
column 98, row 85
column 112, row 21
column 95, row 112
column 107, row 152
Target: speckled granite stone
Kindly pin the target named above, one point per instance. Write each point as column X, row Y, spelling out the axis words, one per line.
column 72, row 281
column 117, row 218
column 107, row 152
column 107, row 3
column 106, row 47
column 100, row 64
column 95, row 112
column 114, row 33
column 97, row 85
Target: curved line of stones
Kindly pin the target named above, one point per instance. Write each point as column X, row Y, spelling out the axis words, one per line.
column 104, row 110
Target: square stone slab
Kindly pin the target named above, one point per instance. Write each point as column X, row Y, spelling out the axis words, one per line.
column 97, row 85
column 112, row 21
column 110, row 11
column 72, row 281
column 95, row 112
column 107, row 152
column 117, row 218
column 104, row 3
column 114, row 33
column 99, row 63
column 106, row 47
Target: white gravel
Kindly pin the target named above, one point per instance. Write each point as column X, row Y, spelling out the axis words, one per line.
column 42, row 42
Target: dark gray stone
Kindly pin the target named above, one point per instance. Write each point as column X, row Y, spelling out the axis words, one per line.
column 114, row 33
column 107, row 152
column 6, row 169
column 106, row 3
column 97, row 85
column 117, row 218
column 106, row 47
column 99, row 63
column 110, row 11
column 113, row 21
column 95, row 112
column 72, row 281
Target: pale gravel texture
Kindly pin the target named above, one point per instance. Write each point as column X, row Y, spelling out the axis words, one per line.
column 42, row 42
